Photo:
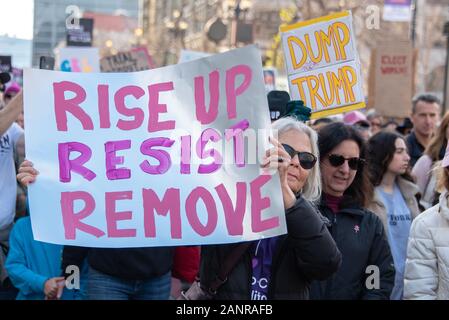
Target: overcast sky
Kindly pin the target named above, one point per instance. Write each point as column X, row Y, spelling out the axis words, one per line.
column 16, row 18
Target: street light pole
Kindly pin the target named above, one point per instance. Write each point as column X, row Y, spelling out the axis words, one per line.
column 413, row 24
column 177, row 27
column 446, row 71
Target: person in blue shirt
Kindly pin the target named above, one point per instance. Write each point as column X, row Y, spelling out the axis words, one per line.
column 395, row 198
column 34, row 267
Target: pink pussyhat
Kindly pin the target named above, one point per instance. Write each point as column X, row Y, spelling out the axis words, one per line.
column 13, row 87
column 445, row 162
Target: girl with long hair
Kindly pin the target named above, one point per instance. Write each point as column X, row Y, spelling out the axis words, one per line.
column 395, row 201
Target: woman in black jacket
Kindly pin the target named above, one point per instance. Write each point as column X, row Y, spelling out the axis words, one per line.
column 281, row 267
column 367, row 270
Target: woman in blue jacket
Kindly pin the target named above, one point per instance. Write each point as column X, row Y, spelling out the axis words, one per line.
column 34, row 267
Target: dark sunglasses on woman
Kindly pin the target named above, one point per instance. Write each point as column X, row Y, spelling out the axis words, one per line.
column 306, row 159
column 337, row 160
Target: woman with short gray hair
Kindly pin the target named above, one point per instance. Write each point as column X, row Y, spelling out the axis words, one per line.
column 312, row 187
column 280, row 267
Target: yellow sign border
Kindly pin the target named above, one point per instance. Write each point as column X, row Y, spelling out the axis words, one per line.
column 334, row 111
column 316, row 20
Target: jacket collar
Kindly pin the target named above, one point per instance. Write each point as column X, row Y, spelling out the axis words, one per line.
column 355, row 211
column 414, row 140
column 377, row 200
column 444, row 210
column 408, row 189
column 350, row 209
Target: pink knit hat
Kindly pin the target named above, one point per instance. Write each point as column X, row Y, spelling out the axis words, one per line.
column 354, row 117
column 12, row 88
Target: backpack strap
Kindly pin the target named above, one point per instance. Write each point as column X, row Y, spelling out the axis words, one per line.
column 229, row 263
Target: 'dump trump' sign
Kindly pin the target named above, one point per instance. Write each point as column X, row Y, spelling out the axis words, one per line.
column 152, row 158
column 322, row 64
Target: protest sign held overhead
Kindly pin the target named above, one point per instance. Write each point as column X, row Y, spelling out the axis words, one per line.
column 79, row 59
column 397, row 10
column 81, row 35
column 137, row 59
column 391, row 78
column 5, row 64
column 269, row 78
column 189, row 55
column 154, row 158
column 323, row 65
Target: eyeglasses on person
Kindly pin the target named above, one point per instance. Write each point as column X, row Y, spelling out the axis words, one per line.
column 354, row 163
column 306, row 159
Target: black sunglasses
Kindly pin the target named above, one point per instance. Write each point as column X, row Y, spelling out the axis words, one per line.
column 306, row 159
column 353, row 163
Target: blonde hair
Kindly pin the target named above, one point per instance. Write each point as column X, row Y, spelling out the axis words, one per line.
column 442, row 174
column 438, row 140
column 312, row 188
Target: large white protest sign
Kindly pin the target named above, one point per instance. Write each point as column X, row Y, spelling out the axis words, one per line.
column 152, row 158
column 189, row 55
column 323, row 65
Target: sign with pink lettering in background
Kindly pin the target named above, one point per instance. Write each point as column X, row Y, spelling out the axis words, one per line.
column 79, row 59
column 162, row 157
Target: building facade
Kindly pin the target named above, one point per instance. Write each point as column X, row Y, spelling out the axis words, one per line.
column 250, row 21
column 166, row 39
column 19, row 49
column 50, row 20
